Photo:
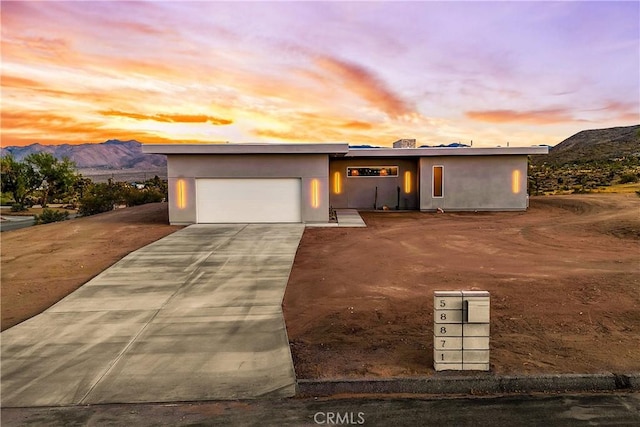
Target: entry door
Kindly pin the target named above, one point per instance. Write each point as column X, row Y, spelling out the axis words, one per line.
column 232, row 200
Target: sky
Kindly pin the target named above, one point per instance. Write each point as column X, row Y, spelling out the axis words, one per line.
column 524, row 73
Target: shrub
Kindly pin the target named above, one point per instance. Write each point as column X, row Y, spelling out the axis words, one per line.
column 92, row 204
column 580, row 190
column 135, row 197
column 17, row 207
column 628, row 178
column 101, row 197
column 6, row 199
column 51, row 215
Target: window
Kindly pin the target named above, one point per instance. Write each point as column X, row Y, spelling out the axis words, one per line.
column 369, row 171
column 438, row 181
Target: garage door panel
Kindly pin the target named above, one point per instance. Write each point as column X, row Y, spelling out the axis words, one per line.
column 248, row 200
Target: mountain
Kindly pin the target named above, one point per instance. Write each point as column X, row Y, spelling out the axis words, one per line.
column 588, row 161
column 112, row 154
column 592, row 146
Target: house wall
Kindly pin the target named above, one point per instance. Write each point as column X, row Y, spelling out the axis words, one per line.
column 475, row 183
column 184, row 169
column 359, row 192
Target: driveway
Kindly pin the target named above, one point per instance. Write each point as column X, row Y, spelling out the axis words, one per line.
column 194, row 316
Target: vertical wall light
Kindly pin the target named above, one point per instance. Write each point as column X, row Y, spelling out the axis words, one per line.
column 515, row 181
column 337, row 183
column 315, row 193
column 407, row 182
column 181, row 194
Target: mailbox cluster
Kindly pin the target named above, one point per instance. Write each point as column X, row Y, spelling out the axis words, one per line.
column 461, row 330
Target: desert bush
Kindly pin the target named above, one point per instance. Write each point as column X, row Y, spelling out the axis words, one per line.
column 92, row 204
column 51, row 215
column 580, row 190
column 7, row 199
column 628, row 178
column 18, row 207
column 101, row 197
column 135, row 197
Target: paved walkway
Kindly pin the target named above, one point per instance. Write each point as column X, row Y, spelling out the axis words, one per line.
column 349, row 218
column 344, row 218
column 194, row 316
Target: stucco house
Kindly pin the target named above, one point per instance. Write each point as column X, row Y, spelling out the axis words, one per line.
column 236, row 183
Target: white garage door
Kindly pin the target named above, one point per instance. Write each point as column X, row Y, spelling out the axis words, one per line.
column 248, row 200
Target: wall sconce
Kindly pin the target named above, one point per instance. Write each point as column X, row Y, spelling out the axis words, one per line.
column 515, row 182
column 407, row 182
column 181, row 194
column 315, row 193
column 337, row 183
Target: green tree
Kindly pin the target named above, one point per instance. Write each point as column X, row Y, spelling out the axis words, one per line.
column 101, row 197
column 80, row 186
column 18, row 178
column 56, row 177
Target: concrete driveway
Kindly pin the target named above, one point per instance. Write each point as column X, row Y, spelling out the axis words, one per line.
column 194, row 316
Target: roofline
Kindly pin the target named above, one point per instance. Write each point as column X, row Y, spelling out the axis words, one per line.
column 446, row 151
column 331, row 148
column 338, row 149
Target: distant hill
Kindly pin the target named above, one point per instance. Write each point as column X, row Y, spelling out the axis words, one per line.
column 598, row 145
column 112, row 154
column 588, row 161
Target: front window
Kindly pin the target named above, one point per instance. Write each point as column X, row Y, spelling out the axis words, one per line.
column 438, row 181
column 369, row 171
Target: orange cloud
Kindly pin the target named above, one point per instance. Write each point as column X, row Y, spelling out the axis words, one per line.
column 24, row 128
column 538, row 117
column 365, row 84
column 357, row 125
column 170, row 118
column 315, row 127
column 19, row 82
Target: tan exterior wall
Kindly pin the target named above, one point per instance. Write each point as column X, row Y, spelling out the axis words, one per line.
column 482, row 183
column 184, row 169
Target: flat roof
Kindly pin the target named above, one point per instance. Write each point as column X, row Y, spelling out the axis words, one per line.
column 222, row 148
column 337, row 149
column 445, row 151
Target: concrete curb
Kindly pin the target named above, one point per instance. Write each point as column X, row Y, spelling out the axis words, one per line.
column 473, row 384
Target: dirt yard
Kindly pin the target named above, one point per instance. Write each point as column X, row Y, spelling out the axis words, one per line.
column 42, row 264
column 563, row 276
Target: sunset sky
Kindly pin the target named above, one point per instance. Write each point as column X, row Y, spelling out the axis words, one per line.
column 358, row 72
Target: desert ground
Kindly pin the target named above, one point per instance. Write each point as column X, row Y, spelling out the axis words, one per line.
column 44, row 263
column 563, row 277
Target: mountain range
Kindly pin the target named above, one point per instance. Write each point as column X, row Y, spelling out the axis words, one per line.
column 598, row 145
column 112, row 154
column 593, row 146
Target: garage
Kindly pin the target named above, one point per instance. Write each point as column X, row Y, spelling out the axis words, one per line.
column 240, row 200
